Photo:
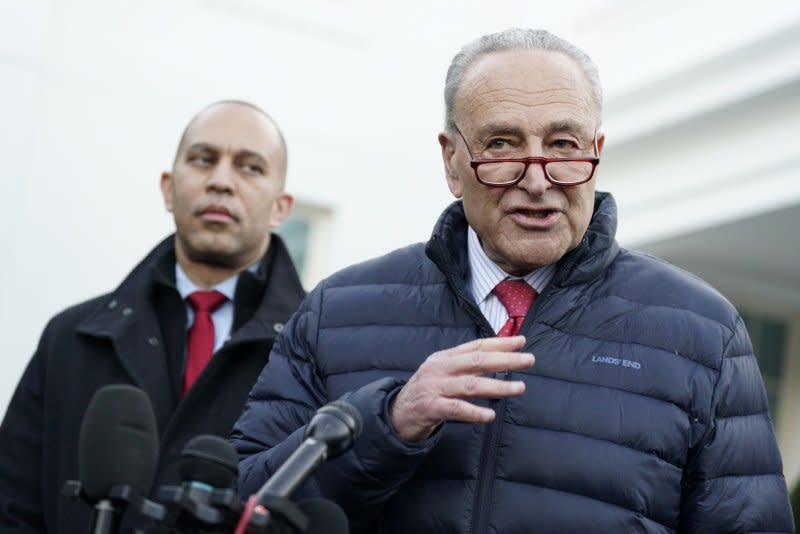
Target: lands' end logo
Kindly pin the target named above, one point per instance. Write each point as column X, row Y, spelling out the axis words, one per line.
column 610, row 360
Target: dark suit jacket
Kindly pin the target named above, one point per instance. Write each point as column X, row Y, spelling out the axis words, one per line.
column 134, row 335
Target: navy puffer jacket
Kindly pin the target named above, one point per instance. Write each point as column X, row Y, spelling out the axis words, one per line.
column 645, row 410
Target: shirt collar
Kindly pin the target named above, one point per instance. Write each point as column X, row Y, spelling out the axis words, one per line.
column 484, row 274
column 227, row 287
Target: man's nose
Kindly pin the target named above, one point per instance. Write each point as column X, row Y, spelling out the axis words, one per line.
column 535, row 182
column 221, row 178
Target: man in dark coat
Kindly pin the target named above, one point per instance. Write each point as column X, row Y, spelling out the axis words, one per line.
column 644, row 411
column 226, row 192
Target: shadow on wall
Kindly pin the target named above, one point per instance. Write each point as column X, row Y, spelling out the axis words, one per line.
column 796, row 503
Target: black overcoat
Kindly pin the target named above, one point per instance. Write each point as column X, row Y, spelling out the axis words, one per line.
column 120, row 338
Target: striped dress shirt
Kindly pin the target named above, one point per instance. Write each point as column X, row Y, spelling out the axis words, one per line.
column 484, row 275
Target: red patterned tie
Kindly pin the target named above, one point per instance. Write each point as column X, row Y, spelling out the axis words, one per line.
column 517, row 297
column 200, row 346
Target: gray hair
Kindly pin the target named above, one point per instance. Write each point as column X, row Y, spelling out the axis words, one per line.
column 515, row 39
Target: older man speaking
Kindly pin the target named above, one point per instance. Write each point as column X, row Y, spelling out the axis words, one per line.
column 645, row 410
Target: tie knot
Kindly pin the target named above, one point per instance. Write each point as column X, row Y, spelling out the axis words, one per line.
column 516, row 295
column 206, row 301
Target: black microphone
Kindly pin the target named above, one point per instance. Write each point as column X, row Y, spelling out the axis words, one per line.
column 205, row 502
column 331, row 432
column 117, row 452
column 205, row 499
column 209, row 461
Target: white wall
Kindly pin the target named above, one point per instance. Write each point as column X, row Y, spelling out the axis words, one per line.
column 94, row 94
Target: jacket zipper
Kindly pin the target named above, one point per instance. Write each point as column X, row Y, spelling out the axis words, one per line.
column 485, row 482
column 487, row 466
column 488, row 462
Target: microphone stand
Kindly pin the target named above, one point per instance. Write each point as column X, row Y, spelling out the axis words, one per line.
column 109, row 510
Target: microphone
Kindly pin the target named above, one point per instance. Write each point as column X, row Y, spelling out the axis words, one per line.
column 204, row 502
column 205, row 499
column 331, row 432
column 209, row 461
column 117, row 454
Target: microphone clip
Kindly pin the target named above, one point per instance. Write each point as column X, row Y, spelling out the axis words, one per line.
column 194, row 505
column 120, row 497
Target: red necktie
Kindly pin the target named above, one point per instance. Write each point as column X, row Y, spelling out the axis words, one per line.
column 200, row 346
column 517, row 297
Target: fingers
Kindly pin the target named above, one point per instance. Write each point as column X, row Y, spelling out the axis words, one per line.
column 505, row 344
column 414, row 425
column 485, row 355
column 464, row 411
column 479, row 362
column 438, row 390
column 472, row 387
column 457, row 409
column 415, row 418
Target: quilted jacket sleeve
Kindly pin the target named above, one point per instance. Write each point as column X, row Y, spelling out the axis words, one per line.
column 288, row 391
column 734, row 480
column 21, row 501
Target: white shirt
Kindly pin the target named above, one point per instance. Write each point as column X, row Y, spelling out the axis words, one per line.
column 484, row 275
column 222, row 317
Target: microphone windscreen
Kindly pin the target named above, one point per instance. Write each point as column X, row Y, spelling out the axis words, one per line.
column 337, row 425
column 324, row 517
column 209, row 459
column 353, row 413
column 118, row 442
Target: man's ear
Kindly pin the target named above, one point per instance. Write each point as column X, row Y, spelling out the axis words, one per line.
column 448, row 157
column 281, row 208
column 166, row 190
column 601, row 139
